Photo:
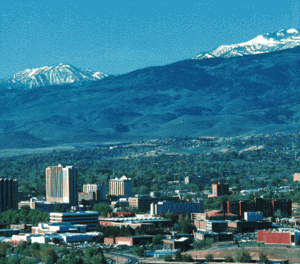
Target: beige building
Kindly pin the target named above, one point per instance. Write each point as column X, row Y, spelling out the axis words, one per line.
column 121, row 187
column 296, row 177
column 61, row 185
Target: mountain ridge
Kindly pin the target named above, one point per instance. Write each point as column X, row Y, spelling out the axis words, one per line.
column 50, row 75
column 265, row 43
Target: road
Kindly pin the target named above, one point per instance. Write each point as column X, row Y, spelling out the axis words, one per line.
column 121, row 258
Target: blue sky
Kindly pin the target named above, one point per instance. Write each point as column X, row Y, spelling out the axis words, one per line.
column 116, row 37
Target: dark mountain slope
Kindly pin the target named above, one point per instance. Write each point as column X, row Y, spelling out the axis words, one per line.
column 212, row 97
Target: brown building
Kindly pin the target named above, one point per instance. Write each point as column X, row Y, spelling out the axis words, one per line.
column 268, row 207
column 283, row 237
column 244, row 227
column 214, row 215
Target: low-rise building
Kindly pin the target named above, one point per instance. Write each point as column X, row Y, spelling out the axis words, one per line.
column 214, row 215
column 143, row 203
column 182, row 243
column 52, row 228
column 88, row 218
column 253, row 216
column 283, row 236
column 180, row 208
column 135, row 221
column 129, row 241
column 218, row 237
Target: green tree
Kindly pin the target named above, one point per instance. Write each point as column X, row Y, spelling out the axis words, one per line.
column 102, row 208
column 157, row 239
column 59, row 208
column 209, row 258
column 187, row 258
column 49, row 255
column 263, row 258
column 243, row 257
column 228, row 258
column 178, row 256
column 167, row 258
column 139, row 251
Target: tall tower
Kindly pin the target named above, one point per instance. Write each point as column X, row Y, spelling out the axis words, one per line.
column 121, row 187
column 61, row 185
column 8, row 194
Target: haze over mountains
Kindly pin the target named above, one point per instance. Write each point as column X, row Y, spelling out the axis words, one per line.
column 241, row 95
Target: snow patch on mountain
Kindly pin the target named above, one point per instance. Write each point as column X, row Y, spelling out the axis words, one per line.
column 269, row 42
column 51, row 75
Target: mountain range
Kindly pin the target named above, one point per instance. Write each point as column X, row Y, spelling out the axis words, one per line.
column 269, row 42
column 221, row 96
column 51, row 75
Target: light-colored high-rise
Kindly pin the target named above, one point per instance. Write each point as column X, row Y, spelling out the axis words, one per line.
column 121, row 187
column 98, row 190
column 61, row 185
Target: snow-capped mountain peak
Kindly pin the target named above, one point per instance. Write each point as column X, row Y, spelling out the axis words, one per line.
column 51, row 75
column 279, row 40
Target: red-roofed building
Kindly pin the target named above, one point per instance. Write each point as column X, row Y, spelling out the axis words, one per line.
column 120, row 214
column 214, row 215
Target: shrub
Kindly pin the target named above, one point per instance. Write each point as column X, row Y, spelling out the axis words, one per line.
column 209, row 257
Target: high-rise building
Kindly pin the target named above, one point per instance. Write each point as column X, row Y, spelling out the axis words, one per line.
column 8, row 194
column 61, row 185
column 99, row 189
column 121, row 187
column 92, row 193
column 219, row 189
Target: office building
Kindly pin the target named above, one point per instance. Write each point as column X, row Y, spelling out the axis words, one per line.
column 191, row 179
column 180, row 208
column 8, row 194
column 121, row 187
column 90, row 219
column 219, row 189
column 61, row 185
column 143, row 203
column 268, row 207
column 95, row 192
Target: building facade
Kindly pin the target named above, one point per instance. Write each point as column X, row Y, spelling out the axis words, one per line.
column 92, row 193
column 283, row 236
column 180, row 208
column 121, row 187
column 8, row 194
column 77, row 218
column 268, row 207
column 144, row 202
column 296, row 177
column 99, row 189
column 219, row 189
column 61, row 185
